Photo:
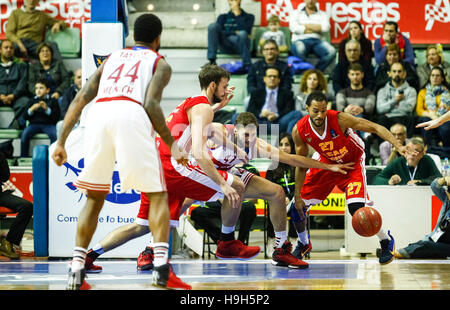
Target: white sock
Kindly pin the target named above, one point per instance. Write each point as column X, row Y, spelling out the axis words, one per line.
column 303, row 237
column 79, row 257
column 228, row 229
column 98, row 249
column 161, row 252
column 382, row 235
column 280, row 238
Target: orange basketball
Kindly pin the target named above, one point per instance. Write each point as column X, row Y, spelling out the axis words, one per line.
column 366, row 221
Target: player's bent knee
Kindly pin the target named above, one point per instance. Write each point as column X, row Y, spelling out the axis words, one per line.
column 353, row 207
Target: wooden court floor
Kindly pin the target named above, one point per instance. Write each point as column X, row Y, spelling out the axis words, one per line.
column 257, row 274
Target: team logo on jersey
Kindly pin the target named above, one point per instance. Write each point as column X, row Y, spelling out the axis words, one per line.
column 99, row 59
column 333, row 134
column 115, row 195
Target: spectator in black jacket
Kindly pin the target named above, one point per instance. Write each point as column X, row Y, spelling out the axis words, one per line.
column 17, row 204
column 43, row 114
column 274, row 105
column 353, row 55
column 382, row 71
column 13, row 82
column 231, row 33
column 255, row 76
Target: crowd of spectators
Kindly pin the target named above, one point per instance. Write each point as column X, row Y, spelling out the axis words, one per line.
column 378, row 80
column 29, row 63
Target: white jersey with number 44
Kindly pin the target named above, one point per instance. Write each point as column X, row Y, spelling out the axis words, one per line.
column 126, row 74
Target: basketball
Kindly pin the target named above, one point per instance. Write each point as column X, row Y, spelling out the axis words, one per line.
column 366, row 221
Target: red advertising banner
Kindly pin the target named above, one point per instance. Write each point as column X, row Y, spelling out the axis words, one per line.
column 423, row 21
column 73, row 12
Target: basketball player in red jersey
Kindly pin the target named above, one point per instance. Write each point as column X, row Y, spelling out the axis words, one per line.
column 330, row 134
column 120, row 126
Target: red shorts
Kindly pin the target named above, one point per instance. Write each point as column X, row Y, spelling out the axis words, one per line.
column 319, row 184
column 184, row 182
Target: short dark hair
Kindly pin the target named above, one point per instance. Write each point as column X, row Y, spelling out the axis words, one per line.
column 4, row 40
column 147, row 28
column 246, row 118
column 356, row 66
column 391, row 23
column 316, row 95
column 270, row 41
column 272, row 68
column 211, row 73
column 43, row 81
column 42, row 45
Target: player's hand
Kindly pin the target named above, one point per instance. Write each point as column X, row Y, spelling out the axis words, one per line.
column 429, row 125
column 179, row 154
column 300, row 206
column 59, row 155
column 233, row 197
column 395, row 179
column 242, row 155
column 229, row 94
column 342, row 168
column 407, row 149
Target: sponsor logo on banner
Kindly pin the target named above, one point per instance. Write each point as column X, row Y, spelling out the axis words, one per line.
column 115, row 196
column 73, row 12
column 415, row 21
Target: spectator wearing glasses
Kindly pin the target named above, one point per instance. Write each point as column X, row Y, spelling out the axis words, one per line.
column 387, row 151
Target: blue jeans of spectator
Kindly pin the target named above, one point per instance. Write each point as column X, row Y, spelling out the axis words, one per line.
column 30, row 131
column 434, row 135
column 324, row 50
column 426, row 249
column 232, row 44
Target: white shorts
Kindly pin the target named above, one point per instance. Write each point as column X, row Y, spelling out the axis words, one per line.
column 120, row 133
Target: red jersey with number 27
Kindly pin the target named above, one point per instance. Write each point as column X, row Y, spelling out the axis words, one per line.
column 333, row 146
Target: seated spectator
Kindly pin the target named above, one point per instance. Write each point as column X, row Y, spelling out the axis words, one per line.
column 340, row 72
column 308, row 25
column 51, row 69
column 311, row 80
column 396, row 100
column 411, row 169
column 387, row 151
column 42, row 114
column 11, row 242
column 437, row 243
column 432, row 102
column 356, row 32
column 391, row 35
column 13, row 83
column 283, row 175
column 434, row 58
column 26, row 28
column 382, row 71
column 257, row 71
column 275, row 34
column 356, row 99
column 209, row 216
column 70, row 93
column 274, row 105
column 231, row 33
column 65, row 100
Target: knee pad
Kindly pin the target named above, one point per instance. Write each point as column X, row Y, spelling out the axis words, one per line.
column 353, row 207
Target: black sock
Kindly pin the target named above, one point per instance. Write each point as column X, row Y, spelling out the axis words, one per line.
column 227, row 237
column 92, row 254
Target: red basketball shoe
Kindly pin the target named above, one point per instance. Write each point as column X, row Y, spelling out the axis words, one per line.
column 145, row 259
column 283, row 257
column 235, row 249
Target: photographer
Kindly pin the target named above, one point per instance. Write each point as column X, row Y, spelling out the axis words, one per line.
column 437, row 243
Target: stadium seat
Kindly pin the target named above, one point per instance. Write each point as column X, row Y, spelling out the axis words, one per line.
column 68, row 41
column 6, row 116
column 240, row 92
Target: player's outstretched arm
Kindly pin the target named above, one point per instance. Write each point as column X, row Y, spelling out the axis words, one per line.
column 83, row 97
column 219, row 137
column 264, row 149
column 435, row 122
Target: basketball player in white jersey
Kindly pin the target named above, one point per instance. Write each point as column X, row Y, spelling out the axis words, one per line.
column 225, row 158
column 120, row 126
